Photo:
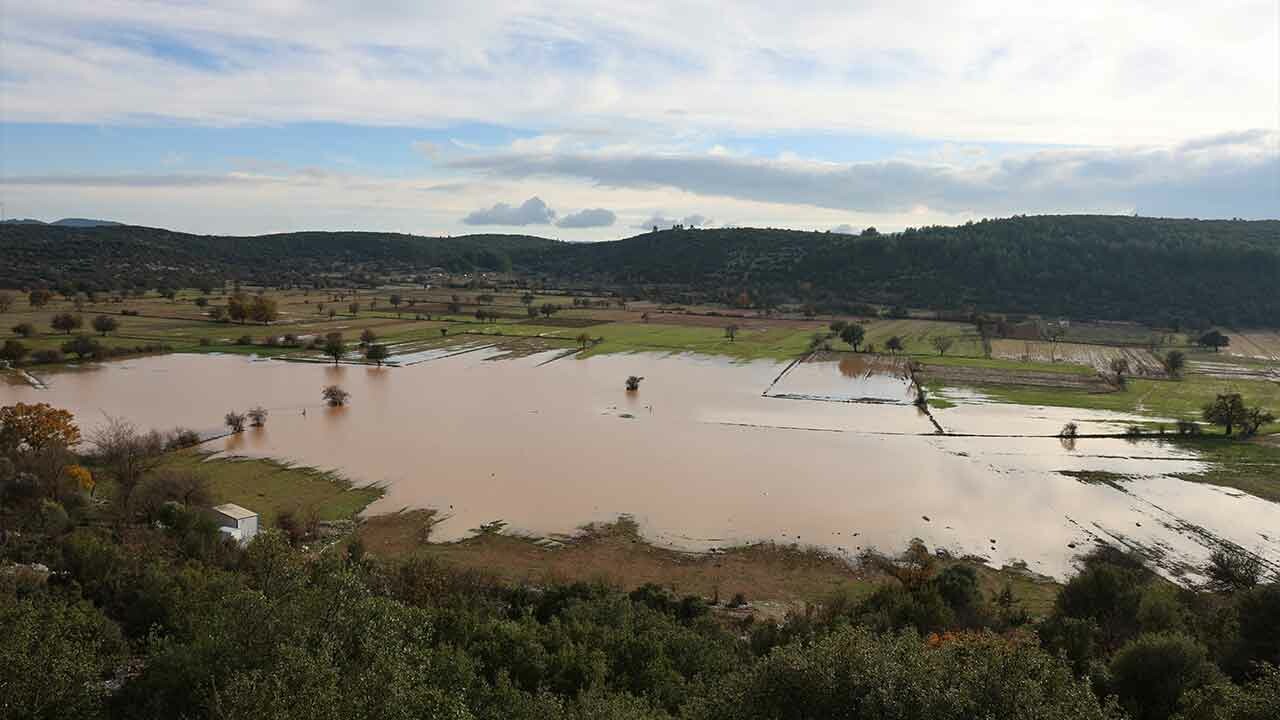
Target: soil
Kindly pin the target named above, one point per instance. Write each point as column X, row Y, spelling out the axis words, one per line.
column 959, row 375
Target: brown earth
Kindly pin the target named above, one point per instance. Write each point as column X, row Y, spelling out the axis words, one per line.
column 959, row 375
column 773, row 578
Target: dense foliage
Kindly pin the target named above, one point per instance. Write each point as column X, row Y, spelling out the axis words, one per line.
column 1170, row 272
column 129, row 603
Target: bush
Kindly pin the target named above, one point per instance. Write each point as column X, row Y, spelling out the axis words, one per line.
column 245, row 340
column 853, row 673
column 41, row 357
column 205, row 342
column 1151, row 673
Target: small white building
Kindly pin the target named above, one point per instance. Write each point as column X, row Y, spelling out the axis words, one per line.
column 240, row 523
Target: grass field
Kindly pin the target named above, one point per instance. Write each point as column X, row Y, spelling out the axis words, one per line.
column 269, row 487
column 1253, row 467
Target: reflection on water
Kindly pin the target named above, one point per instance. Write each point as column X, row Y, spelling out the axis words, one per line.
column 853, row 377
column 697, row 455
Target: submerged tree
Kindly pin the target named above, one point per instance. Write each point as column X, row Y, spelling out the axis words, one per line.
column 1226, row 410
column 633, row 383
column 334, row 347
column 377, row 353
column 234, row 421
column 335, row 396
column 258, row 416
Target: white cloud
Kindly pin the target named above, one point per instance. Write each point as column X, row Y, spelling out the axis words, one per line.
column 662, row 222
column 588, row 218
column 997, row 70
column 531, row 212
column 1236, row 174
column 427, row 149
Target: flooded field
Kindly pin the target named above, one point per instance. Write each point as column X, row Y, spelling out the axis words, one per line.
column 699, row 456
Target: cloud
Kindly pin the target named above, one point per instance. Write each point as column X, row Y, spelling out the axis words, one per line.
column 662, row 222
column 531, row 212
column 132, row 180
column 865, row 67
column 588, row 218
column 844, row 229
column 1236, row 174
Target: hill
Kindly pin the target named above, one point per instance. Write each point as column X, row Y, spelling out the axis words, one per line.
column 1105, row 267
column 64, row 222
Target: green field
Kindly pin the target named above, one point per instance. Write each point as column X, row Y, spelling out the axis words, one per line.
column 269, row 488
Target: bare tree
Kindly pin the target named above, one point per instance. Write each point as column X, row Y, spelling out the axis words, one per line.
column 234, row 421
column 127, row 455
column 258, row 416
column 942, row 343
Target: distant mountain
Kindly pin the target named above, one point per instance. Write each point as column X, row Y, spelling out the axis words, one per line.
column 65, row 222
column 1077, row 266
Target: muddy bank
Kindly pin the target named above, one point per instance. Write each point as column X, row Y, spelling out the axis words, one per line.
column 772, row 577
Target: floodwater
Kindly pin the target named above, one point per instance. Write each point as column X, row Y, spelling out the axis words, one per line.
column 699, row 456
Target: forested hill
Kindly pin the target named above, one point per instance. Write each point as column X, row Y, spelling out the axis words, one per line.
column 1223, row 271
column 1083, row 266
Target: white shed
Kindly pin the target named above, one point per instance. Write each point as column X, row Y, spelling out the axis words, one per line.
column 240, row 523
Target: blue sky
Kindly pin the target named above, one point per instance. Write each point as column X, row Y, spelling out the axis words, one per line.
column 559, row 119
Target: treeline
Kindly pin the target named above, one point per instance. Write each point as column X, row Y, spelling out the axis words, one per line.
column 116, row 258
column 120, row 598
column 1170, row 273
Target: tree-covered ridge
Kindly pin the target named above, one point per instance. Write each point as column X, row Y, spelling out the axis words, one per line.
column 1106, row 267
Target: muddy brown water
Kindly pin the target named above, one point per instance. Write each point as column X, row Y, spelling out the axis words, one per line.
column 697, row 455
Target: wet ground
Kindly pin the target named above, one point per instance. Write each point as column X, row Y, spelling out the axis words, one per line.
column 699, row 455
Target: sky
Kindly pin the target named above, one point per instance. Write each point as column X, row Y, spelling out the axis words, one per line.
column 594, row 121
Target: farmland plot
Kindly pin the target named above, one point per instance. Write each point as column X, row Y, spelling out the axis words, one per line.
column 1141, row 362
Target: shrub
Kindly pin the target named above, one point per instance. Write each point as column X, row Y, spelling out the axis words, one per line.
column 47, row 356
column 245, row 340
column 1150, row 674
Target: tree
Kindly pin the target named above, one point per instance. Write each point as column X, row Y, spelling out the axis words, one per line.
column 13, row 351
column 837, row 326
column 1174, row 361
column 334, row 346
column 82, row 346
column 731, row 332
column 1227, row 410
column 527, row 298
column 202, row 302
column 335, row 396
column 1214, row 339
column 454, row 307
column 126, row 455
column 234, row 421
column 25, row 329
column 633, row 383
column 1254, row 419
column 33, row 427
column 583, row 340
column 1151, row 673
column 549, row 309
column 377, row 353
column 66, row 322
column 894, row 344
column 1120, row 367
column 531, row 311
column 258, row 416
column 1232, row 570
column 353, row 309
column 852, row 334
column 6, row 301
column 942, row 343
column 167, row 293
column 395, row 301
column 368, row 337
column 217, row 313
column 263, row 309
column 1053, row 332
column 105, row 324
column 238, row 308
column 444, row 331
column 39, row 297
